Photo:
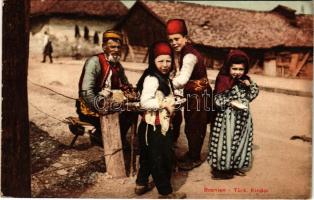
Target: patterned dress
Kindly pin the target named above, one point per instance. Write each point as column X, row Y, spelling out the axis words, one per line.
column 230, row 145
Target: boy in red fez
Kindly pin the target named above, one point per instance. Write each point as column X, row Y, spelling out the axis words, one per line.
column 154, row 132
column 192, row 78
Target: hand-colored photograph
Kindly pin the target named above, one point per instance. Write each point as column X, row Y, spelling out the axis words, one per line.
column 156, row 99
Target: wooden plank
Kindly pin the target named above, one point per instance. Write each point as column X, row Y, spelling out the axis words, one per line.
column 133, row 168
column 146, row 56
column 270, row 67
column 113, row 149
column 131, row 52
column 130, row 49
column 301, row 64
column 294, row 62
column 126, row 53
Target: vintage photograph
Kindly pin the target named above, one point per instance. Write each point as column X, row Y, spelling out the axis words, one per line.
column 156, row 99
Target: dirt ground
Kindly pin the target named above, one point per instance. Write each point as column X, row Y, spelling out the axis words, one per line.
column 281, row 167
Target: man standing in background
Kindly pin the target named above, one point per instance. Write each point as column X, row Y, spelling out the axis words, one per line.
column 47, row 48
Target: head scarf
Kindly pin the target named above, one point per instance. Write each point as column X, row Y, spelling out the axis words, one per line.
column 112, row 34
column 155, row 50
column 224, row 81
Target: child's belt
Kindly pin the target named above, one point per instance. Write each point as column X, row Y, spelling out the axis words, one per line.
column 197, row 86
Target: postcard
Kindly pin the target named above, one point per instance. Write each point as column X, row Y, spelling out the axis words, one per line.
column 157, row 99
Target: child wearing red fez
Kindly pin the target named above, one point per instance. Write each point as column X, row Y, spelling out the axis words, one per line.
column 192, row 78
column 154, row 132
column 230, row 146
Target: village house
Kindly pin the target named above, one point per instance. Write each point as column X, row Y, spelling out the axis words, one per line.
column 60, row 19
column 279, row 41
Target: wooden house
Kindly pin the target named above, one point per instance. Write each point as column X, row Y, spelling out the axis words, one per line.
column 60, row 17
column 279, row 42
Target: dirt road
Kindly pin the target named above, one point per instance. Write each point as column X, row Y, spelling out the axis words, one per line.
column 281, row 168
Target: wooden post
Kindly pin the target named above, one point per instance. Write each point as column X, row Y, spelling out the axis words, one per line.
column 113, row 149
column 15, row 154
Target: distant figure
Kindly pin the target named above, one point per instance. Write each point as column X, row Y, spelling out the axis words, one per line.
column 96, row 38
column 47, row 48
column 86, row 33
column 77, row 31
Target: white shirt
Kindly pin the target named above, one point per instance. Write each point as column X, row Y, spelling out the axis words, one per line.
column 107, row 84
column 151, row 100
column 188, row 63
column 148, row 97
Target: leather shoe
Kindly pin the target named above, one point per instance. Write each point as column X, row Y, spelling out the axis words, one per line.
column 173, row 195
column 189, row 165
column 142, row 189
column 222, row 175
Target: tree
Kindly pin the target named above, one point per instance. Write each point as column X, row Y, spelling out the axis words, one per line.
column 15, row 158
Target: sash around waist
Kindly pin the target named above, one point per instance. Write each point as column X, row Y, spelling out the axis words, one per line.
column 197, row 86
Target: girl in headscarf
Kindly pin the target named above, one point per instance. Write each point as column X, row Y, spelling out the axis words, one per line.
column 230, row 146
column 154, row 132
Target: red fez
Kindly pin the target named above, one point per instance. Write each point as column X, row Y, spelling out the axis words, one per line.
column 176, row 26
column 162, row 48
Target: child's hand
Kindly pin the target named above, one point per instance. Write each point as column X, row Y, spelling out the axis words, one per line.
column 238, row 105
column 170, row 109
column 168, row 104
column 245, row 82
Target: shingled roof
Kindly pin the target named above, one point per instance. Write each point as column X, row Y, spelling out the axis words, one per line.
column 96, row 8
column 235, row 28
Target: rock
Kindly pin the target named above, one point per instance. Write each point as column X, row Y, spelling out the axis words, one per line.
column 57, row 165
column 77, row 161
column 107, row 175
column 65, row 155
column 62, row 172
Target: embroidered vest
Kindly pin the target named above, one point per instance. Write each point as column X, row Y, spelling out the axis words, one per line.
column 198, row 81
column 199, row 70
column 105, row 69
